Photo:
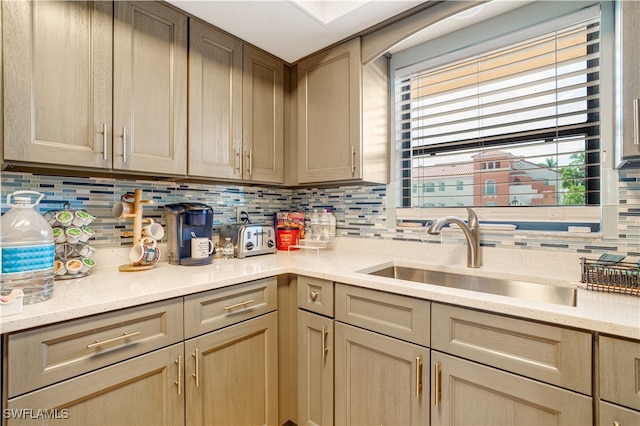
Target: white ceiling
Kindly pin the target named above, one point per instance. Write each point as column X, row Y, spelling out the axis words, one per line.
column 291, row 29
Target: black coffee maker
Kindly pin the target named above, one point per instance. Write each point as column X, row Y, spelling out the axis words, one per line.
column 185, row 220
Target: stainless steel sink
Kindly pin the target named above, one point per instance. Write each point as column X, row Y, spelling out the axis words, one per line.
column 520, row 289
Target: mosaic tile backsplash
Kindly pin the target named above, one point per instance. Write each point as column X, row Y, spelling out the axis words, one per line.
column 361, row 211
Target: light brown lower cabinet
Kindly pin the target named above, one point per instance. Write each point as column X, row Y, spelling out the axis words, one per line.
column 145, row 390
column 379, row 380
column 231, row 375
column 315, row 369
column 615, row 415
column 468, row 393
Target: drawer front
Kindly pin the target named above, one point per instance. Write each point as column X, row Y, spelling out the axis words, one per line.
column 550, row 354
column 397, row 316
column 53, row 353
column 315, row 295
column 615, row 415
column 211, row 310
column 620, row 371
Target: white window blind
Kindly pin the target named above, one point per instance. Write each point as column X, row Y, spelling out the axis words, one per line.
column 514, row 126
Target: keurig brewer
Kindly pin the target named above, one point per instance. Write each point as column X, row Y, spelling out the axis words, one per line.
column 184, row 221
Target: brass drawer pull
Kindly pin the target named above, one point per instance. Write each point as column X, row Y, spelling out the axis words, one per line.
column 418, row 377
column 238, row 305
column 325, row 348
column 314, row 296
column 437, row 385
column 196, row 375
column 113, row 339
column 179, row 381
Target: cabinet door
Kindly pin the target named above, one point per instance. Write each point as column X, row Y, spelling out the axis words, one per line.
column 615, row 415
column 630, row 28
column 329, row 116
column 315, row 369
column 215, row 103
column 620, row 371
column 263, row 117
column 57, row 82
column 150, row 88
column 232, row 374
column 146, row 390
column 466, row 393
column 379, row 380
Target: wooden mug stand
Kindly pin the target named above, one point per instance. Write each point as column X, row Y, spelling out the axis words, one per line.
column 138, row 203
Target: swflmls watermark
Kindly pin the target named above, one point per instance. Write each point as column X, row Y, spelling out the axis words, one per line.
column 30, row 414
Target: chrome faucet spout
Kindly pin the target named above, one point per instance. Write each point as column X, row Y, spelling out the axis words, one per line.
column 471, row 231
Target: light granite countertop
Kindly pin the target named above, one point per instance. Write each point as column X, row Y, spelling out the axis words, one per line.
column 107, row 289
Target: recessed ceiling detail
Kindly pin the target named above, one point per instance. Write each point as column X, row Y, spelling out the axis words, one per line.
column 325, row 11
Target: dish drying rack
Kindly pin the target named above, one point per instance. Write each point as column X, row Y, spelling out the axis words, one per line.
column 618, row 277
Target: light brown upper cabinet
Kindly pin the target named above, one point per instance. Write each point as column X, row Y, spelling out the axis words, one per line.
column 84, row 90
column 262, row 117
column 57, row 82
column 236, row 121
column 630, row 97
column 343, row 109
column 215, row 103
column 150, row 88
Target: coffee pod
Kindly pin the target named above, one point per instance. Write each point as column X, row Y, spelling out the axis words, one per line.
column 85, row 250
column 81, row 218
column 59, row 236
column 59, row 268
column 87, row 233
column 50, row 216
column 73, row 235
column 73, row 266
column 64, row 218
column 87, row 264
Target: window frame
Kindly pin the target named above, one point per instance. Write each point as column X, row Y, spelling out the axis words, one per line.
column 541, row 12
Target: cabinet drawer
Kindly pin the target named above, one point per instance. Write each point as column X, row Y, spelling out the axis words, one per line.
column 315, row 295
column 615, row 415
column 620, row 371
column 143, row 390
column 397, row 316
column 49, row 354
column 550, row 354
column 211, row 310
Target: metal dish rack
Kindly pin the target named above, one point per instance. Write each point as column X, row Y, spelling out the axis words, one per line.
column 620, row 278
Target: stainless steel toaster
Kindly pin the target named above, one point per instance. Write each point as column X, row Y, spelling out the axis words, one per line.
column 250, row 239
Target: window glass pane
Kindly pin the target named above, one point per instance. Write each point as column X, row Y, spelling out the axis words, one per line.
column 514, row 126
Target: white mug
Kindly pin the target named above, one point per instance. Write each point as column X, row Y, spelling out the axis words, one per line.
column 201, row 247
column 153, row 229
column 124, row 206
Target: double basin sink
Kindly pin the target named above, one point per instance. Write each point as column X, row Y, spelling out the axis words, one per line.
column 566, row 296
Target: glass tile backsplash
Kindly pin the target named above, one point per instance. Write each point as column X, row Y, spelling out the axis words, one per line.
column 361, row 211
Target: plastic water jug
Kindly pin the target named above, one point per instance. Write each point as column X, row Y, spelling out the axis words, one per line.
column 26, row 241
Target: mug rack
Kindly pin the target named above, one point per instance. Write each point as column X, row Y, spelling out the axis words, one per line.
column 138, row 204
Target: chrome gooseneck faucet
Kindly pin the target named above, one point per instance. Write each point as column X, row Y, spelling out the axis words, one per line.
column 471, row 230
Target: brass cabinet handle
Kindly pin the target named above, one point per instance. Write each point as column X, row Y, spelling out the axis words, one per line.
column 353, row 160
column 418, row 377
column 314, row 295
column 636, row 121
column 616, row 423
column 436, row 388
column 124, row 144
column 325, row 348
column 196, row 374
column 104, row 141
column 238, row 305
column 238, row 160
column 98, row 343
column 179, row 381
column 250, row 162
